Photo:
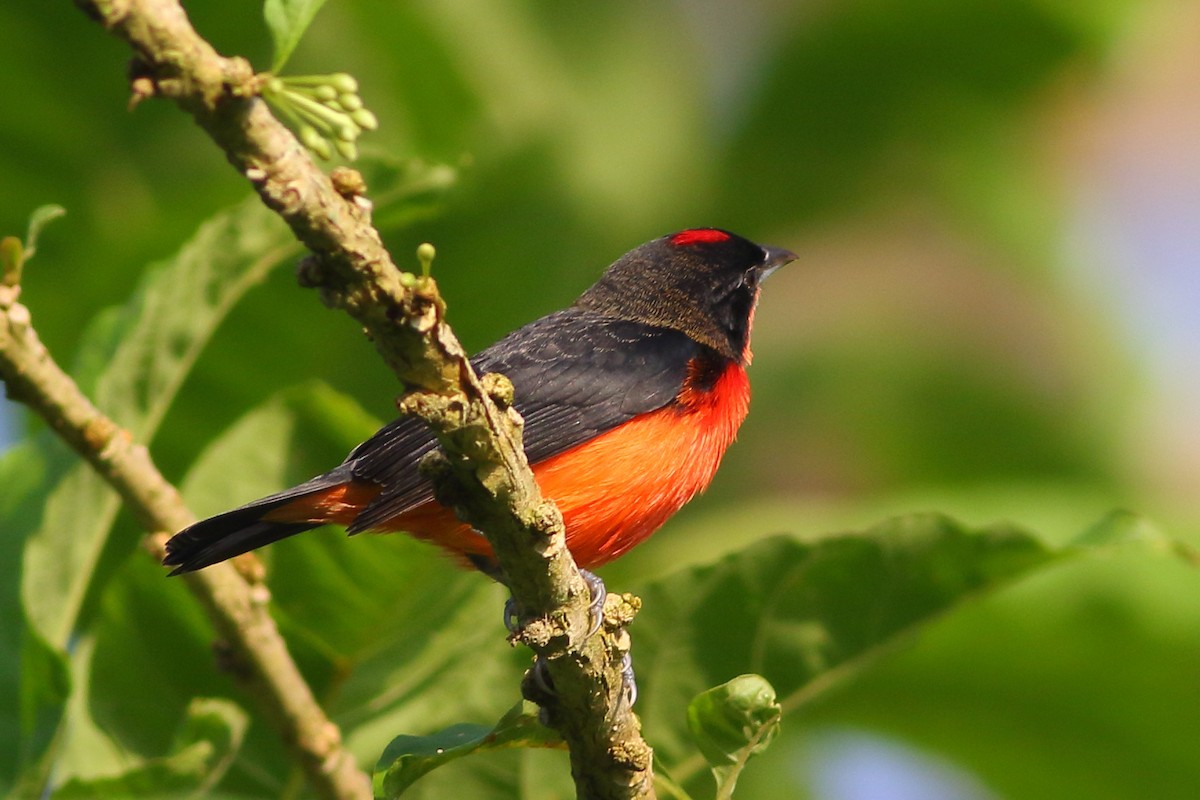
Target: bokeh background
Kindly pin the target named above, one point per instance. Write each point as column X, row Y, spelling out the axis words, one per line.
column 996, row 311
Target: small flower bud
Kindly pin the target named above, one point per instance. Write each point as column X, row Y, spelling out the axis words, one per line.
column 344, row 83
column 426, row 252
column 315, row 142
column 349, row 102
column 365, row 119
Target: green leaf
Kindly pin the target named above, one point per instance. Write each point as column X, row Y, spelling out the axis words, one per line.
column 39, row 219
column 396, row 635
column 407, row 758
column 134, row 361
column 302, row 429
column 21, row 474
column 134, row 364
column 803, row 613
column 45, row 687
column 728, row 718
column 1124, row 527
column 287, row 20
column 406, row 190
column 142, row 618
column 14, row 253
column 809, row 614
column 204, row 748
column 733, row 722
column 83, row 747
column 1014, row 689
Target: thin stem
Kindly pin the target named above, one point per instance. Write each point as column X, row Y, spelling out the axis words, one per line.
column 237, row 609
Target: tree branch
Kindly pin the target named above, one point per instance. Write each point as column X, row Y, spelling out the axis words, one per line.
column 237, row 609
column 404, row 316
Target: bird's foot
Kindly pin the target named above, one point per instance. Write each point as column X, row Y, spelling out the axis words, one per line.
column 539, row 677
column 628, row 680
column 512, row 617
column 599, row 595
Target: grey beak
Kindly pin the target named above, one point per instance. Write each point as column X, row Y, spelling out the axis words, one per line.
column 776, row 258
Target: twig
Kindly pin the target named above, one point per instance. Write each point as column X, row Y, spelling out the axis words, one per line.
column 479, row 432
column 238, row 610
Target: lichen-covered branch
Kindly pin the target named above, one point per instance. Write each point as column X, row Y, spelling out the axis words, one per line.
column 495, row 490
column 238, row 610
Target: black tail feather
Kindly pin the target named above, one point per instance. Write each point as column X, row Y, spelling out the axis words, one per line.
column 217, row 539
column 241, row 530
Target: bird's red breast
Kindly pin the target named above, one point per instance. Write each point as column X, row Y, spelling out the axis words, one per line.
column 630, row 397
column 613, row 490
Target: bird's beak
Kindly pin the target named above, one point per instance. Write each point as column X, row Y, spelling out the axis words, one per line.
column 776, row 258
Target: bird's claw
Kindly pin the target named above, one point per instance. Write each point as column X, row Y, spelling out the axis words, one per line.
column 540, row 678
column 628, row 681
column 599, row 595
column 512, row 617
column 538, row 674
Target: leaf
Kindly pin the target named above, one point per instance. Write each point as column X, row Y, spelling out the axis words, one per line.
column 45, row 690
column 39, row 219
column 204, row 748
column 134, row 361
column 809, row 614
column 727, row 718
column 14, row 253
column 1124, row 527
column 287, row 20
column 733, row 722
column 407, row 758
column 802, row 613
column 1014, row 689
column 397, row 636
column 406, row 190
column 143, row 618
column 21, row 473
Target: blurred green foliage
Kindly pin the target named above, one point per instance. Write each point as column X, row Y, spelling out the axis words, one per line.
column 923, row 354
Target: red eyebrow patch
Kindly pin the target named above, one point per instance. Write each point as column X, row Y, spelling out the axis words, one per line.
column 699, row 235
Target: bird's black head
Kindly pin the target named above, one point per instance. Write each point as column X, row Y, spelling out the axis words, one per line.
column 703, row 282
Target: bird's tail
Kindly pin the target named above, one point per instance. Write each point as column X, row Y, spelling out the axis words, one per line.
column 243, row 529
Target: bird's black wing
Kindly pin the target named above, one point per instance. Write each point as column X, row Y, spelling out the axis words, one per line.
column 576, row 374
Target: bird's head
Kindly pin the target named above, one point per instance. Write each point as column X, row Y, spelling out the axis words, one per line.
column 702, row 281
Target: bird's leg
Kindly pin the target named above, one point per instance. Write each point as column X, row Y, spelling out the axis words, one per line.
column 628, row 681
column 513, row 623
column 599, row 595
column 540, row 678
column 512, row 618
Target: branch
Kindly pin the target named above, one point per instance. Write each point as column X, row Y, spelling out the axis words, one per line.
column 237, row 609
column 404, row 317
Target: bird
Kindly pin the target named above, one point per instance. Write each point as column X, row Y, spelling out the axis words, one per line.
column 630, row 397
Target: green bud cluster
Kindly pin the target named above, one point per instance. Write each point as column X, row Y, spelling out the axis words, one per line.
column 324, row 110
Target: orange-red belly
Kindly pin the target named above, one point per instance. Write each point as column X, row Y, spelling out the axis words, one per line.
column 613, row 490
